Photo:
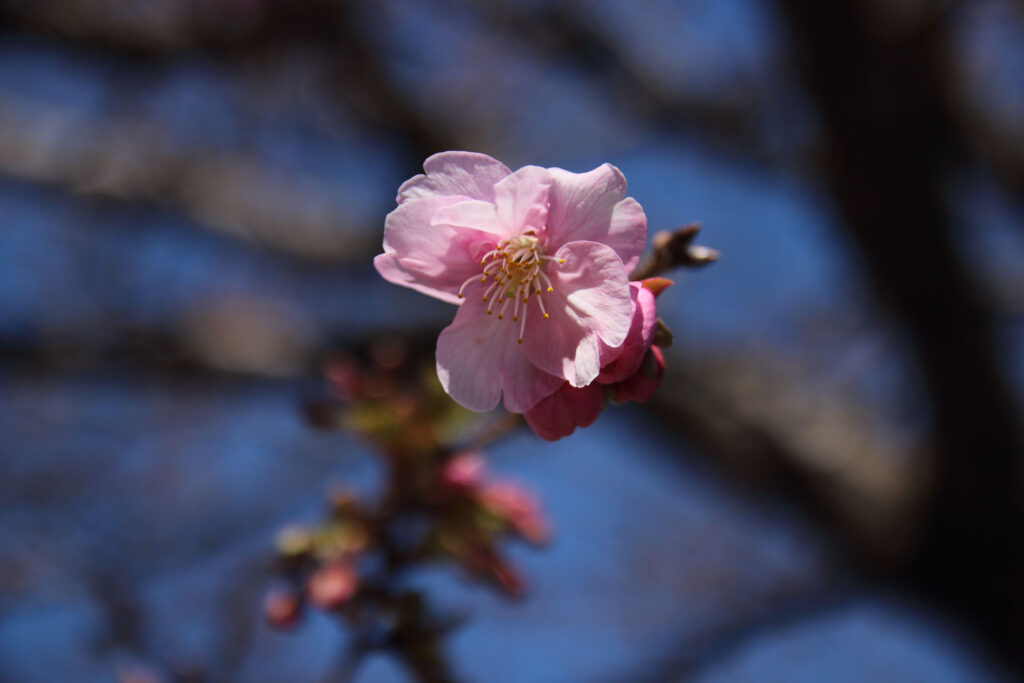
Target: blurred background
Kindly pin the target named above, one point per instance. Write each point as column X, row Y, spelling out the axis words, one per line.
column 827, row 486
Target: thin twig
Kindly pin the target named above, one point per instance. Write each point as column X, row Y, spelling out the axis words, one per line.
column 675, row 249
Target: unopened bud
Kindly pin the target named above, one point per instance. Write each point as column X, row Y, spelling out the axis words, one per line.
column 464, row 471
column 519, row 508
column 656, row 285
column 332, row 585
column 282, row 608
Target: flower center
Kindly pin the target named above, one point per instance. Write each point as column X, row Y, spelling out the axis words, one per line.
column 515, row 270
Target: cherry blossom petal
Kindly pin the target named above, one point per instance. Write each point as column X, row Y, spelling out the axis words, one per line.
column 522, row 198
column 591, row 206
column 562, row 412
column 641, row 333
column 590, row 302
column 472, row 214
column 432, row 259
column 468, row 174
column 478, row 357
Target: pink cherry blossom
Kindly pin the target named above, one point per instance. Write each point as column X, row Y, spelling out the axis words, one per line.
column 630, row 372
column 538, row 261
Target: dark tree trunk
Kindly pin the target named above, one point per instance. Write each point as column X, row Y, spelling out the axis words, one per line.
column 890, row 148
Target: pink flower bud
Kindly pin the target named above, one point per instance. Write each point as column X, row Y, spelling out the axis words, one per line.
column 343, row 378
column 484, row 562
column 282, row 607
column 644, row 381
column 570, row 407
column 509, row 579
column 465, row 471
column 332, row 585
column 519, row 508
column 656, row 285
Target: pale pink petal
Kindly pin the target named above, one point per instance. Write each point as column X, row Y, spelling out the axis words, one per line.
column 591, row 206
column 590, row 302
column 641, row 333
column 473, row 214
column 432, row 259
column 468, row 174
column 522, row 198
column 478, row 357
column 561, row 413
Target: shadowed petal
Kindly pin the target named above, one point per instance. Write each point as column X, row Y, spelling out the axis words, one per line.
column 591, row 301
column 468, row 174
column 432, row 259
column 473, row 214
column 478, row 358
column 522, row 198
column 590, row 206
column 626, row 359
column 562, row 412
column 642, row 383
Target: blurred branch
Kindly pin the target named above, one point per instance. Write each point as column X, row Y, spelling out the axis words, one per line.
column 890, row 149
column 698, row 655
column 817, row 446
column 137, row 161
column 998, row 145
column 332, row 31
column 560, row 31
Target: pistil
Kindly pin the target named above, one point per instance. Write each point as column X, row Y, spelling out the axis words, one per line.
column 515, row 270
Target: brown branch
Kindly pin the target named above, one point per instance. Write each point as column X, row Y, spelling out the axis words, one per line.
column 731, row 121
column 891, row 147
column 777, row 428
column 352, row 68
column 135, row 160
column 674, row 249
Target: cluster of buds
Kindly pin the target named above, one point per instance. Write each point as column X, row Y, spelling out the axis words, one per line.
column 437, row 504
column 463, row 515
column 320, row 564
column 632, row 373
column 477, row 513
